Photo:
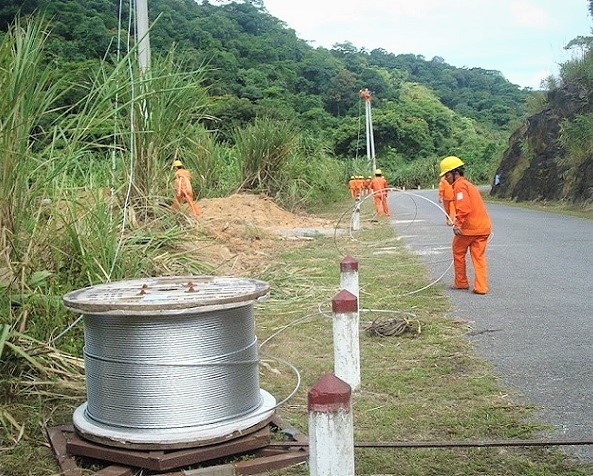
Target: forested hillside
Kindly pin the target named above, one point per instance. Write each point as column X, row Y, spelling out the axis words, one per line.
column 257, row 67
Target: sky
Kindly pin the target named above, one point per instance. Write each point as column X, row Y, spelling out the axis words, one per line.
column 523, row 39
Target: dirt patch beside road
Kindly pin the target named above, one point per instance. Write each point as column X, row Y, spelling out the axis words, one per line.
column 245, row 231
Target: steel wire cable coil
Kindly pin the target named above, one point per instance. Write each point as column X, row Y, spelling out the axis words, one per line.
column 168, row 372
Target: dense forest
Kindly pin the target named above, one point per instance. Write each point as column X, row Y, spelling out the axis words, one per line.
column 256, row 67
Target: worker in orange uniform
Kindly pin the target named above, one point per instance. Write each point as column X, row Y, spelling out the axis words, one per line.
column 367, row 185
column 183, row 190
column 446, row 197
column 472, row 226
column 352, row 186
column 360, row 185
column 379, row 187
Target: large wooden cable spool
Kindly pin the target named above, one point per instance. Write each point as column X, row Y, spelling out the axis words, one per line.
column 171, row 362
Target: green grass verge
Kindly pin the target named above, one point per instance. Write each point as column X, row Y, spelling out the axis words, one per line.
column 419, row 386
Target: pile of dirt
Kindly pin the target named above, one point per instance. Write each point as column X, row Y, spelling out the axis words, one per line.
column 246, row 230
column 254, row 210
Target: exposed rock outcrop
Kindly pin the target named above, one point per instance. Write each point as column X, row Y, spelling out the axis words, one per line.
column 532, row 168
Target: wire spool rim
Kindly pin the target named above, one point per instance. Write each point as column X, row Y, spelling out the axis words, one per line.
column 174, row 438
column 171, row 294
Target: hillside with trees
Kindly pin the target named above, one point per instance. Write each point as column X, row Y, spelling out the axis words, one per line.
column 256, row 67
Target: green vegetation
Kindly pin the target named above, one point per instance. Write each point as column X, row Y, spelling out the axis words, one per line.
column 253, row 66
column 549, row 157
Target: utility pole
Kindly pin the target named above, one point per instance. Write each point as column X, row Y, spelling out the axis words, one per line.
column 366, row 95
column 142, row 38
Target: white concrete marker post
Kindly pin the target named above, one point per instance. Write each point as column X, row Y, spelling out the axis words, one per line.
column 346, row 338
column 331, row 428
column 349, row 276
column 356, row 215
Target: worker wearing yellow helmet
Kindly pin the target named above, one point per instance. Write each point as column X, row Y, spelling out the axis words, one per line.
column 352, row 186
column 379, row 187
column 447, row 199
column 367, row 185
column 183, row 188
column 359, row 185
column 471, row 226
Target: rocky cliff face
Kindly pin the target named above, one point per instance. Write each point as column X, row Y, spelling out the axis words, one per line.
column 532, row 166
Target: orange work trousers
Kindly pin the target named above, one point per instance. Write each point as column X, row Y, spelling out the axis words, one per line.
column 185, row 197
column 477, row 250
column 381, row 204
column 449, row 207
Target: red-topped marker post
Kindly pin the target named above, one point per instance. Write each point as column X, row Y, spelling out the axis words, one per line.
column 331, row 428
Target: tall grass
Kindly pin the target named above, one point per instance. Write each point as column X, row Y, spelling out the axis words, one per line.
column 28, row 94
column 578, row 69
column 264, row 148
column 164, row 116
column 79, row 185
column 278, row 160
column 575, row 137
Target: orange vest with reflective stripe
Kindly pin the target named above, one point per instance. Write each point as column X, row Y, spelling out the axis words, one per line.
column 470, row 212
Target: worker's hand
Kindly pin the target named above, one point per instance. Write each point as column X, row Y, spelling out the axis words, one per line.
column 457, row 230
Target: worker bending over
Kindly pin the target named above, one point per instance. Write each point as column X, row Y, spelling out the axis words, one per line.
column 471, row 227
column 379, row 187
column 183, row 189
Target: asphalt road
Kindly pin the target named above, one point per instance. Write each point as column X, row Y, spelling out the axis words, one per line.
column 536, row 323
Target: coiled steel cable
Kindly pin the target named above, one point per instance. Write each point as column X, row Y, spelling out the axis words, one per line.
column 171, row 371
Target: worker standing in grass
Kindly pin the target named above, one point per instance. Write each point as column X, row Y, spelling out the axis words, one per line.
column 378, row 187
column 471, row 228
column 360, row 185
column 447, row 198
column 183, row 189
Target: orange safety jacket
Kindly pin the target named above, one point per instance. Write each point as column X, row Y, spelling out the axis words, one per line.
column 379, row 185
column 445, row 190
column 471, row 216
column 352, row 187
column 183, row 183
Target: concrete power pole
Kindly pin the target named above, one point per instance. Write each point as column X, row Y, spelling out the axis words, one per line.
column 142, row 38
column 366, row 95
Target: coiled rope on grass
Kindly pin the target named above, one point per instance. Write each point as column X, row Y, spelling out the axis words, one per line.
column 392, row 326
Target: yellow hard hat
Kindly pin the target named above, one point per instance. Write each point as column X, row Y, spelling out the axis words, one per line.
column 177, row 163
column 450, row 163
column 378, row 172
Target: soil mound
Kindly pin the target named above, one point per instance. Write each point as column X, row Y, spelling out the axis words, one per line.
column 244, row 231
